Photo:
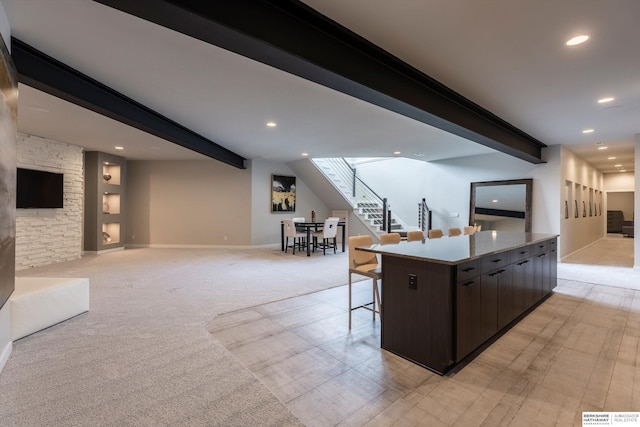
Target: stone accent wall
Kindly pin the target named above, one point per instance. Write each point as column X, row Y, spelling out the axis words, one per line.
column 49, row 236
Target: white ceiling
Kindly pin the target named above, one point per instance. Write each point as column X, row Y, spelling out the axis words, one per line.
column 506, row 55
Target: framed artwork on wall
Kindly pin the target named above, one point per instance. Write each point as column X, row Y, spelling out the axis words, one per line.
column 283, row 193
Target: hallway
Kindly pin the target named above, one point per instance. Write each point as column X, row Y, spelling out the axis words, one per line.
column 611, row 251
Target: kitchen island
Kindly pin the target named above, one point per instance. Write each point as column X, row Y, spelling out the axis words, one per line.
column 444, row 300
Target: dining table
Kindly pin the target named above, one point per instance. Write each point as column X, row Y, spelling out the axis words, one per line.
column 309, row 227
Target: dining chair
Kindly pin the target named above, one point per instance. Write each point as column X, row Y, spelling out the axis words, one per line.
column 299, row 219
column 415, row 235
column 435, row 233
column 328, row 235
column 365, row 264
column 290, row 231
column 390, row 238
column 454, row 231
column 469, row 229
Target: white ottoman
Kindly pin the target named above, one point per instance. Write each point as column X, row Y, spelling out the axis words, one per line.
column 40, row 302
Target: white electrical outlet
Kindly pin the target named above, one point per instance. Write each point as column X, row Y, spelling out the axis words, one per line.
column 454, row 215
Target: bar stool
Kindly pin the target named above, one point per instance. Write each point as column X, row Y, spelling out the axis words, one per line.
column 365, row 264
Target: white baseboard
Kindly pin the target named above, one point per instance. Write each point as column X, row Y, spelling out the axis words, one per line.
column 160, row 246
column 584, row 247
column 105, row 251
column 4, row 356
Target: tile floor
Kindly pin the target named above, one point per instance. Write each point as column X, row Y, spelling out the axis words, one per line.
column 578, row 351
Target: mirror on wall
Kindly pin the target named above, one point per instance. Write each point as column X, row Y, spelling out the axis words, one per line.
column 501, row 205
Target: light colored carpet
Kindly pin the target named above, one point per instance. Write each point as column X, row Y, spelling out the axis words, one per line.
column 142, row 355
column 608, row 261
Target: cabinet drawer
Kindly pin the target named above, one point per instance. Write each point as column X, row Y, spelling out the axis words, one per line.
column 540, row 247
column 468, row 269
column 492, row 262
column 519, row 254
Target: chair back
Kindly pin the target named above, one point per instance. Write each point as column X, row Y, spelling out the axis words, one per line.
column 357, row 258
column 469, row 229
column 454, row 231
column 435, row 233
column 299, row 219
column 413, row 236
column 330, row 228
column 390, row 238
column 289, row 228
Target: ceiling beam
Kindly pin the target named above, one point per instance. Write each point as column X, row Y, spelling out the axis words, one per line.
column 290, row 36
column 49, row 75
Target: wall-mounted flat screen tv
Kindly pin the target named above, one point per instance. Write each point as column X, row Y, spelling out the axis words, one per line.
column 39, row 189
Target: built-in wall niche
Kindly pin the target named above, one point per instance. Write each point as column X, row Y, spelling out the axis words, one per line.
column 585, row 199
column 110, row 233
column 111, row 173
column 110, row 203
column 591, row 201
column 599, row 203
column 568, row 200
column 577, row 198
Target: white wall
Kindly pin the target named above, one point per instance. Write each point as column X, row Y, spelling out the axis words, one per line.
column 446, row 186
column 621, row 201
column 207, row 203
column 5, row 30
column 48, row 236
column 619, row 181
column 265, row 225
column 187, row 203
column 579, row 180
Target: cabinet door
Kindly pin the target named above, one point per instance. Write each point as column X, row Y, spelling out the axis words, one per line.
column 522, row 279
column 540, row 275
column 468, row 316
column 553, row 269
column 489, row 303
column 509, row 297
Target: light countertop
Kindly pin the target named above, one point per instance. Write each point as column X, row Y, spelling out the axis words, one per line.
column 458, row 249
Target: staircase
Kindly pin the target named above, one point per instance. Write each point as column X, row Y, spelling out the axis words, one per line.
column 372, row 209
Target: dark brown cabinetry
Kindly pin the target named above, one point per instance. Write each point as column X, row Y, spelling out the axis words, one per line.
column 460, row 303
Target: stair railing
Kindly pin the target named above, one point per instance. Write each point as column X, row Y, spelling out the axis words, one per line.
column 424, row 215
column 360, row 191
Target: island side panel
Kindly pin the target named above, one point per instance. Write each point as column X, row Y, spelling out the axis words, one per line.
column 417, row 321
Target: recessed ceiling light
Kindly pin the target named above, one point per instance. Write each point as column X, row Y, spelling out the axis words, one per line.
column 396, row 152
column 271, row 124
column 617, row 166
column 605, row 100
column 495, row 200
column 611, row 158
column 119, row 148
column 305, row 154
column 577, row 40
column 602, row 148
column 587, row 131
column 419, row 154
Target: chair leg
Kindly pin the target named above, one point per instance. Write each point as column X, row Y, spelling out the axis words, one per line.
column 286, row 244
column 377, row 296
column 324, row 246
column 373, row 292
column 350, row 303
